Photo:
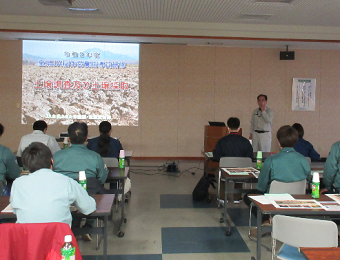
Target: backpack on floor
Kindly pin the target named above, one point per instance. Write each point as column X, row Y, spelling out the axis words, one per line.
column 201, row 190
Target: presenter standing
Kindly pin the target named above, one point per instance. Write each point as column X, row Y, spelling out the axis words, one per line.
column 261, row 125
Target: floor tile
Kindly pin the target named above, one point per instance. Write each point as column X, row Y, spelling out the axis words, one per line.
column 201, row 240
column 183, row 201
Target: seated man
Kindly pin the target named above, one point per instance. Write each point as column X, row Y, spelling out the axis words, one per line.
column 38, row 135
column 304, row 147
column 9, row 168
column 44, row 195
column 78, row 158
column 233, row 145
column 286, row 166
column 331, row 170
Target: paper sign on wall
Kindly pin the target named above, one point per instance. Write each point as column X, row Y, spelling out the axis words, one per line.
column 303, row 94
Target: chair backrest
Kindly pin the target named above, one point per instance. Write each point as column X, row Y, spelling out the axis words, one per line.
column 309, row 160
column 33, row 241
column 110, row 161
column 235, row 162
column 296, row 187
column 304, row 232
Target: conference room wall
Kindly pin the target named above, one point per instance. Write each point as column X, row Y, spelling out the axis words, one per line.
column 184, row 87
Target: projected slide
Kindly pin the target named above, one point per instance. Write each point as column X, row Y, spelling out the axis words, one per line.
column 63, row 82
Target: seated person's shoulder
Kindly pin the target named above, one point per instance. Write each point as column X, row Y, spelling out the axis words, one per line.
column 336, row 145
column 114, row 140
column 93, row 140
column 5, row 149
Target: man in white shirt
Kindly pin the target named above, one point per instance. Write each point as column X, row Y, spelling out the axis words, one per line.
column 261, row 125
column 38, row 135
column 44, row 195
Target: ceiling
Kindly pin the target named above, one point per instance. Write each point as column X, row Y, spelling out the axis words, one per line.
column 301, row 24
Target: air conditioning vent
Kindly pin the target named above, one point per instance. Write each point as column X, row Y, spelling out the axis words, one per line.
column 57, row 2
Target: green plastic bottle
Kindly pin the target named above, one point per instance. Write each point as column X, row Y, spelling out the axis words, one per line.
column 65, row 143
column 316, row 185
column 259, row 160
column 68, row 251
column 82, row 179
column 121, row 159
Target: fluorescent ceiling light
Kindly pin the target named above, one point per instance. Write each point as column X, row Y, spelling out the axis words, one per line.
column 83, row 9
column 290, row 2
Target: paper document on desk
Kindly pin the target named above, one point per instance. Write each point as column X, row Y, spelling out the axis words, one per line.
column 335, row 197
column 8, row 209
column 330, row 205
column 209, row 154
column 242, row 171
column 261, row 199
column 297, row 204
column 281, row 196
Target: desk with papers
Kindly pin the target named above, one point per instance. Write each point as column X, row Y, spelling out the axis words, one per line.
column 245, row 175
column 301, row 205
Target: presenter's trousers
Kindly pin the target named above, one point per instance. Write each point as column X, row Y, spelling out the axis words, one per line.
column 262, row 141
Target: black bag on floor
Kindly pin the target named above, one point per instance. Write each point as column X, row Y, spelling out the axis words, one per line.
column 201, row 190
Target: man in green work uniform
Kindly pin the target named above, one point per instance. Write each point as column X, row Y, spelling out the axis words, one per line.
column 286, row 166
column 331, row 170
column 9, row 168
column 78, row 158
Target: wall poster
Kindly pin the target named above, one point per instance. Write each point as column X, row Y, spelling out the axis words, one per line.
column 303, row 94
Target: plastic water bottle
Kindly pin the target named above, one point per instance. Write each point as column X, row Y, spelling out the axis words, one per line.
column 121, row 159
column 259, row 160
column 68, row 251
column 82, row 179
column 316, row 185
column 65, row 143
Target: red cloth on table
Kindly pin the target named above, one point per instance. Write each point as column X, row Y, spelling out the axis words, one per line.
column 34, row 241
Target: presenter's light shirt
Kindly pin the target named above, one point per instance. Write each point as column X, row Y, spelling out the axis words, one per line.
column 261, row 120
column 38, row 136
column 331, row 170
column 45, row 196
column 9, row 168
column 77, row 158
column 285, row 166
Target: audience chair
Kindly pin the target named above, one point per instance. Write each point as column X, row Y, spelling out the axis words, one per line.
column 110, row 161
column 277, row 187
column 237, row 162
column 296, row 187
column 309, row 160
column 296, row 232
column 34, row 241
